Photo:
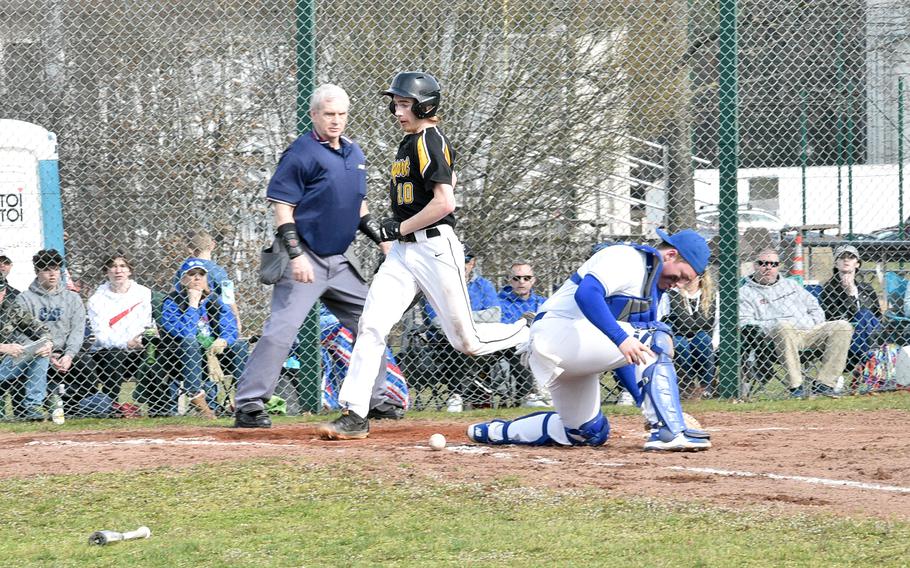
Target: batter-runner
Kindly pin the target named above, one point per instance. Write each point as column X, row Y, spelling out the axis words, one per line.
column 604, row 317
column 317, row 195
column 426, row 256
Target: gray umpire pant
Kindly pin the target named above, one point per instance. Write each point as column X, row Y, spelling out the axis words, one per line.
column 339, row 285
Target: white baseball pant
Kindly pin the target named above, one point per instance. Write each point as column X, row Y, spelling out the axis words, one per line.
column 434, row 266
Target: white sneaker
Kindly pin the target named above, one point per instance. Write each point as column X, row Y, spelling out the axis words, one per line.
column 454, row 404
column 625, row 399
column 661, row 440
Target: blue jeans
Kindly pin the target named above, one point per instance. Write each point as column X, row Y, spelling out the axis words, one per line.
column 35, row 372
column 695, row 357
column 866, row 328
column 186, row 356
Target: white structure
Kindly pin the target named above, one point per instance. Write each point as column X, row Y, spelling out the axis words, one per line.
column 30, row 212
column 887, row 59
column 875, row 194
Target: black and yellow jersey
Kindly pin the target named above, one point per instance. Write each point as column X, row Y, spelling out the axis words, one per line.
column 423, row 160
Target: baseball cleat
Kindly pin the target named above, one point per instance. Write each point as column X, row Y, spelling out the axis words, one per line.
column 390, row 413
column 348, row 426
column 662, row 440
column 255, row 419
column 479, row 433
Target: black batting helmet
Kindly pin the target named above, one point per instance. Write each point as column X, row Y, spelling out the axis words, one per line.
column 422, row 87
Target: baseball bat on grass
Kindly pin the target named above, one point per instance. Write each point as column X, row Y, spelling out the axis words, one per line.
column 106, row 537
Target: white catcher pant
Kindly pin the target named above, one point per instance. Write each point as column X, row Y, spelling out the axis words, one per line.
column 569, row 356
column 434, row 266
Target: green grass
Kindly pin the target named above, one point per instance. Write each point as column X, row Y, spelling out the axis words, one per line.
column 287, row 513
column 882, row 401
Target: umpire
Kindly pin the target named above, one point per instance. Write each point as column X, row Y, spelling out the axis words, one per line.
column 317, row 194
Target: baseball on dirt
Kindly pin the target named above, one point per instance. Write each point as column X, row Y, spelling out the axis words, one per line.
column 437, row 441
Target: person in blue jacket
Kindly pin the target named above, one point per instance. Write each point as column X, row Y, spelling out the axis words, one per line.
column 195, row 321
column 518, row 300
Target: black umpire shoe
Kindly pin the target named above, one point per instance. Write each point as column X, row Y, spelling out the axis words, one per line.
column 255, row 419
column 348, row 426
column 386, row 412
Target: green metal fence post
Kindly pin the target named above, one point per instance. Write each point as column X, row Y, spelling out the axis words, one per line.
column 309, row 376
column 850, row 134
column 803, row 147
column 728, row 158
column 900, row 156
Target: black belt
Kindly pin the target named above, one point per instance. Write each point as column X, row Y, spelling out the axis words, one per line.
column 412, row 238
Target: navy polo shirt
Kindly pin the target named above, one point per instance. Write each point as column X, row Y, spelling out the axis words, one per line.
column 326, row 187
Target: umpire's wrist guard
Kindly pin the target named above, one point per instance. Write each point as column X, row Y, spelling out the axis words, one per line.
column 288, row 235
column 369, row 227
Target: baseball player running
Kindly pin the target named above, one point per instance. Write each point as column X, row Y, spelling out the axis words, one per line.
column 604, row 317
column 426, row 256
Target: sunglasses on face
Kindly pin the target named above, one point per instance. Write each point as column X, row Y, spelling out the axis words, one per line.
column 525, row 278
column 773, row 263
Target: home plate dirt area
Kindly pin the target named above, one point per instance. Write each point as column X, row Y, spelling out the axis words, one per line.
column 853, row 463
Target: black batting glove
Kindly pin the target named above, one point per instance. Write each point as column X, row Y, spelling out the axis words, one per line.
column 390, row 230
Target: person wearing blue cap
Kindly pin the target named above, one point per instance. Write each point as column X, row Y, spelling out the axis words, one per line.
column 603, row 318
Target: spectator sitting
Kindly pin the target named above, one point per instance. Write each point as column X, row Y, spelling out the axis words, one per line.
column 782, row 310
column 843, row 298
column 485, row 308
column 201, row 246
column 518, row 300
column 693, row 316
column 120, row 314
column 6, row 266
column 196, row 322
column 63, row 312
column 20, row 353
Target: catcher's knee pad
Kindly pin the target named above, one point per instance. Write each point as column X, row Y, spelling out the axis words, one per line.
column 594, row 432
column 661, row 405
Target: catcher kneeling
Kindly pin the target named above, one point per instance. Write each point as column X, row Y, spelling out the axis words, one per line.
column 603, row 318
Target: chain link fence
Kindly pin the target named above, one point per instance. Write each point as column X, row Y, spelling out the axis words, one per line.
column 144, row 133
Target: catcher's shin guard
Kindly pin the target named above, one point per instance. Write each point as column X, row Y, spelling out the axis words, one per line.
column 661, row 405
column 536, row 429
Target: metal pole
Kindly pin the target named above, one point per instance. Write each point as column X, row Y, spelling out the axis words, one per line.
column 728, row 140
column 803, row 147
column 900, row 163
column 840, row 127
column 309, row 378
column 850, row 162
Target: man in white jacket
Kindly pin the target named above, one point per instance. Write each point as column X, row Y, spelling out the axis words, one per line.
column 781, row 310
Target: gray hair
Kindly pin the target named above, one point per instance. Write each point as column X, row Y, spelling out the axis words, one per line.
column 327, row 92
column 767, row 250
column 521, row 262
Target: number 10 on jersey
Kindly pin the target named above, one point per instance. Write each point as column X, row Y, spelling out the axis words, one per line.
column 405, row 193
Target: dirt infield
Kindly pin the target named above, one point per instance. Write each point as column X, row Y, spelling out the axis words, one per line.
column 854, row 463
